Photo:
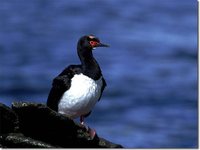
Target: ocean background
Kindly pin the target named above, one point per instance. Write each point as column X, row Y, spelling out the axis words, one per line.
column 150, row 67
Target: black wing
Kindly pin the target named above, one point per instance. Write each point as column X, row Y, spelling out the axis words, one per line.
column 103, row 87
column 61, row 84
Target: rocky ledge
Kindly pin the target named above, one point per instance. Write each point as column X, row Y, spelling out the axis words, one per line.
column 33, row 125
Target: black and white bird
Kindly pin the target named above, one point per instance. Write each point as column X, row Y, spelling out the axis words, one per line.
column 77, row 89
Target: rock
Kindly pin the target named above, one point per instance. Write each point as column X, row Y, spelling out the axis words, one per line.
column 40, row 126
column 17, row 140
column 9, row 121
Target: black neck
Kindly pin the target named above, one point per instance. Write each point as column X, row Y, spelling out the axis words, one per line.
column 89, row 64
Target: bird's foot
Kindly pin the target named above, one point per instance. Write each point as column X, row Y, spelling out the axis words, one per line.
column 90, row 131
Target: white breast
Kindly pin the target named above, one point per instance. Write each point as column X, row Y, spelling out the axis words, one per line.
column 81, row 97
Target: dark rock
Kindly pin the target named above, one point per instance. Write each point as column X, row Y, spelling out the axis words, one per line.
column 40, row 123
column 8, row 120
column 17, row 140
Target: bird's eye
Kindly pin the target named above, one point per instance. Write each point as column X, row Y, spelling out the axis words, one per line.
column 93, row 43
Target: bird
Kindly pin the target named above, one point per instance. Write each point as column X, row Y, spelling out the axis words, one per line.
column 77, row 89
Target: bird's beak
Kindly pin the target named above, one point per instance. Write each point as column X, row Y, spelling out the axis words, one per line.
column 101, row 45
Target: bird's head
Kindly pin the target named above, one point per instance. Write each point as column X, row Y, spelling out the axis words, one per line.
column 90, row 42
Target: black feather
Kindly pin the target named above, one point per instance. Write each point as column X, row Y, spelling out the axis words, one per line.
column 61, row 84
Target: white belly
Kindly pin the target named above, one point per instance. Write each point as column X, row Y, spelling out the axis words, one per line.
column 81, row 97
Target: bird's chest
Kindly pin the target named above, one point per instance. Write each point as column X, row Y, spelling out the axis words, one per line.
column 83, row 93
column 85, row 87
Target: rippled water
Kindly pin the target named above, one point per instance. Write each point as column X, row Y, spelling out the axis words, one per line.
column 150, row 68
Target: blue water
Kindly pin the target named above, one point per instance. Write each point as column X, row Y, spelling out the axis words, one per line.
column 150, row 67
